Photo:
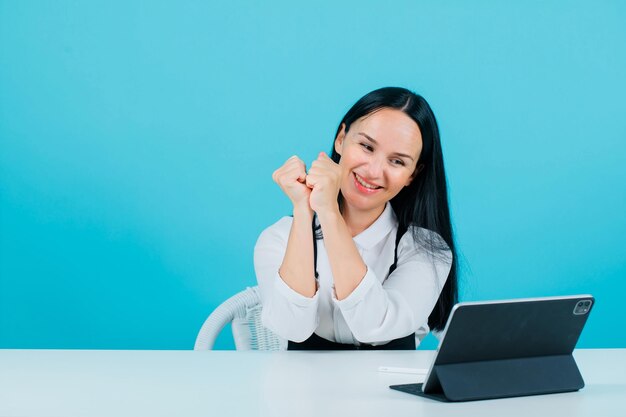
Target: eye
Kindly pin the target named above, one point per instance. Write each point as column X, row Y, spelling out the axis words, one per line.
column 399, row 162
column 367, row 147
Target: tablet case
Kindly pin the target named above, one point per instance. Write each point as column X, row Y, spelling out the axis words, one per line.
column 507, row 349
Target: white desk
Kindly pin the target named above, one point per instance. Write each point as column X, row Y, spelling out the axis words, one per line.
column 296, row 384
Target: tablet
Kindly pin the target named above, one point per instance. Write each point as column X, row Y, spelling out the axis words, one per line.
column 507, row 348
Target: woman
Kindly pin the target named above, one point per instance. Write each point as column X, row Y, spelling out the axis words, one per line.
column 367, row 260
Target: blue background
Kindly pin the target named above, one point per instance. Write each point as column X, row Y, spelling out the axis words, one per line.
column 138, row 138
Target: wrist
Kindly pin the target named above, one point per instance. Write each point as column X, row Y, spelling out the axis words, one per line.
column 303, row 210
column 329, row 214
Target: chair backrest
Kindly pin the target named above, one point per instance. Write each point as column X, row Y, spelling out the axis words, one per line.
column 243, row 311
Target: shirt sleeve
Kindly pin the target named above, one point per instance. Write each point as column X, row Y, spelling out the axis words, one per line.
column 378, row 313
column 286, row 312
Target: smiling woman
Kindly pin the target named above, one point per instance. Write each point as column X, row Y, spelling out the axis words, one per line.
column 377, row 170
column 367, row 261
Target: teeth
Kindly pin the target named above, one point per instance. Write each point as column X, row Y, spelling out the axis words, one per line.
column 371, row 187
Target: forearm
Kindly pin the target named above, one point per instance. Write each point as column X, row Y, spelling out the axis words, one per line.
column 297, row 269
column 345, row 260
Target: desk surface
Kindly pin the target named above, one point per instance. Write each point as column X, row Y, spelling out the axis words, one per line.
column 211, row 383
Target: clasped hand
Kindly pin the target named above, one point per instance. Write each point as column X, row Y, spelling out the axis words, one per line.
column 316, row 189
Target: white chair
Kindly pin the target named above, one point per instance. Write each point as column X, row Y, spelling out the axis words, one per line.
column 243, row 311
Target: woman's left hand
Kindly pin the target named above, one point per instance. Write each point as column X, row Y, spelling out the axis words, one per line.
column 324, row 179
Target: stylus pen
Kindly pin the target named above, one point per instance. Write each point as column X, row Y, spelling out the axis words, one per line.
column 391, row 369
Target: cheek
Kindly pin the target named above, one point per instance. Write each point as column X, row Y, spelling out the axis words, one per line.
column 351, row 160
column 399, row 179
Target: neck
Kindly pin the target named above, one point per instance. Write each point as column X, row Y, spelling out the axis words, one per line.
column 359, row 220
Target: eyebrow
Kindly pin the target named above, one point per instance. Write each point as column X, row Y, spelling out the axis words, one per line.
column 371, row 139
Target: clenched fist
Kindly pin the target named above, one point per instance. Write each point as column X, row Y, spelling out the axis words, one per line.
column 291, row 178
column 316, row 189
column 324, row 178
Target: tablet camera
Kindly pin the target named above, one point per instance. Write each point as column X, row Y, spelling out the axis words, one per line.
column 582, row 307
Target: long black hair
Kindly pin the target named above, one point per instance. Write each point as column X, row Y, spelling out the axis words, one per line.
column 424, row 202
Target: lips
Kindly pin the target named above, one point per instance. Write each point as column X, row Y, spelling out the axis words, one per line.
column 364, row 184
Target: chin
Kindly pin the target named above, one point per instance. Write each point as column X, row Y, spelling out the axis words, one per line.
column 362, row 203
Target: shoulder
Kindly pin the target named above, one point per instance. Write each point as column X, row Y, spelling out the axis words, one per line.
column 276, row 233
column 424, row 242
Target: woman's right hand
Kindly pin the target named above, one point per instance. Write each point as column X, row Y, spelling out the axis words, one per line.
column 291, row 177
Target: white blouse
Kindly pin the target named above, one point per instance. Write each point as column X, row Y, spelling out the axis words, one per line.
column 377, row 311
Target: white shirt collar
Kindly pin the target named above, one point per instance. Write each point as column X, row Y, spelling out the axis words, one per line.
column 378, row 230
column 371, row 236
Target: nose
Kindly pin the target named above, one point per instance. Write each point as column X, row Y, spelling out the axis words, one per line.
column 375, row 168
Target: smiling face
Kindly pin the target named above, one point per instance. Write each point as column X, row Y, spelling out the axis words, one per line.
column 378, row 158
